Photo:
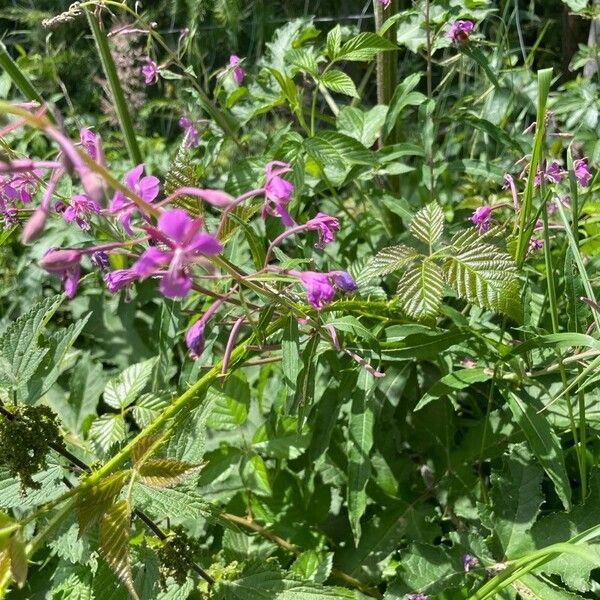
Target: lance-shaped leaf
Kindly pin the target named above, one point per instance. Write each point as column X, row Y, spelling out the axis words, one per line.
column 420, row 290
column 91, row 504
column 387, row 261
column 485, row 276
column 428, row 224
column 164, row 472
column 114, row 543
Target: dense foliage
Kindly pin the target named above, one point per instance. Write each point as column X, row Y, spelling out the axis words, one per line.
column 296, row 307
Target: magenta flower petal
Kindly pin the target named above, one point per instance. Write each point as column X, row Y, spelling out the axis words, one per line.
column 148, row 187
column 151, row 259
column 132, row 177
column 175, row 284
column 582, row 173
column 205, row 244
column 194, row 339
column 175, row 224
column 119, row 278
column 319, row 290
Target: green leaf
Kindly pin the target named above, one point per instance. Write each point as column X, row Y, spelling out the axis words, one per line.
column 420, row 290
column 231, row 402
column 334, row 42
column 578, row 311
column 106, row 430
column 18, row 559
column 501, row 136
column 255, row 475
column 543, row 442
column 123, row 390
column 113, row 542
column 457, row 380
column 533, row 588
column 516, row 498
column 363, row 126
column 20, row 352
column 333, row 148
column 291, row 361
column 480, row 58
column 360, row 442
column 164, row 472
column 485, row 276
column 147, row 408
column 92, row 503
column 338, row 81
column 305, row 386
column 364, row 46
column 387, row 261
column 403, row 97
column 313, row 566
column 576, row 5
column 428, row 224
column 304, row 59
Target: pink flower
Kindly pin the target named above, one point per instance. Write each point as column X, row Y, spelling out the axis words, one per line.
column 65, row 264
column 20, row 186
column 344, row 281
column 79, row 210
column 535, row 243
column 481, row 217
column 146, row 188
column 552, row 173
column 150, row 71
column 582, row 173
column 325, row 225
column 89, row 140
column 185, row 242
column 190, row 132
column 237, row 71
column 278, row 192
column 119, row 278
column 194, row 338
column 469, row 562
column 319, row 286
column 459, row 31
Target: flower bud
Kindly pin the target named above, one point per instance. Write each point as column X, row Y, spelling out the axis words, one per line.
column 59, row 260
column 34, row 225
column 216, row 197
column 92, row 184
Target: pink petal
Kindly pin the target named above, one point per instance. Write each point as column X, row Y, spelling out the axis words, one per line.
column 175, row 285
column 132, row 176
column 174, row 223
column 151, row 259
column 205, row 243
column 149, row 187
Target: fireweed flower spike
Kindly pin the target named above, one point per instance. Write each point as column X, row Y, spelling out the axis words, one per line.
column 459, row 31
column 146, row 188
column 278, row 192
column 237, row 72
column 150, row 71
column 185, row 242
column 582, row 173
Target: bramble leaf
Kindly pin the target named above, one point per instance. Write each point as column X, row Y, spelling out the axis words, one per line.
column 123, row 389
column 164, row 472
column 420, row 290
column 387, row 261
column 338, row 81
column 428, row 224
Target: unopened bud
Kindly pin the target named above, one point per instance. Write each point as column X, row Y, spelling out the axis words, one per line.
column 59, row 260
column 216, row 197
column 92, row 184
column 34, row 225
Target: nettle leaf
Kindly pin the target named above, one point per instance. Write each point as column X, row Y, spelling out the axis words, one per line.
column 485, row 276
column 338, row 81
column 107, row 430
column 428, row 224
column 420, row 290
column 361, row 125
column 364, row 46
column 20, row 352
column 123, row 390
column 91, row 503
column 516, row 499
column 164, row 472
column 114, row 543
column 387, row 261
column 313, row 566
column 333, row 148
column 360, row 442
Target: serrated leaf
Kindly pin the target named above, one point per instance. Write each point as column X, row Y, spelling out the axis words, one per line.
column 91, row 504
column 387, row 261
column 164, row 472
column 18, row 559
column 360, row 442
column 142, row 446
column 147, row 408
column 363, row 126
column 334, row 42
column 338, row 81
column 113, row 543
column 420, row 290
column 313, row 566
column 291, row 361
column 428, row 224
column 533, row 588
column 255, row 475
column 20, row 352
column 337, row 149
column 543, row 442
column 123, row 390
column 231, row 402
column 107, row 430
column 304, row 59
column 487, row 277
column 364, row 46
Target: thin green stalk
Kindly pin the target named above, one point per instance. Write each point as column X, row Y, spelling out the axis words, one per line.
column 110, row 71
column 18, row 77
column 525, row 226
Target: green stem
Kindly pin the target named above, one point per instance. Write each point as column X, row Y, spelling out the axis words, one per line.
column 110, row 71
column 18, row 77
